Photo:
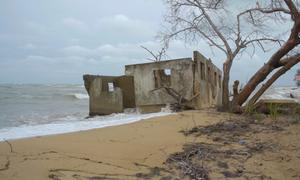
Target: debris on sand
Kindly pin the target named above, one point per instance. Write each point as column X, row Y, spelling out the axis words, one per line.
column 231, row 147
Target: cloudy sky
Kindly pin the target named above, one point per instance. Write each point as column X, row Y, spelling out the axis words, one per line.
column 57, row 41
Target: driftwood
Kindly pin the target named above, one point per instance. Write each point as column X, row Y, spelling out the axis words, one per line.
column 198, row 160
column 181, row 101
column 10, row 146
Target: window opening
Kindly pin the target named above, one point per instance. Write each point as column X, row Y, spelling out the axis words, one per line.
column 111, row 87
column 208, row 74
column 162, row 78
column 202, row 71
column 215, row 78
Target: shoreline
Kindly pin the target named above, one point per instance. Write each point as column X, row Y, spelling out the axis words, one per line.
column 135, row 151
column 123, row 150
column 98, row 122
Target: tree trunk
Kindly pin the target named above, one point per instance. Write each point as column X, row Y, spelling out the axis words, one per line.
column 264, row 71
column 234, row 107
column 273, row 63
column 225, row 84
column 293, row 61
column 235, row 89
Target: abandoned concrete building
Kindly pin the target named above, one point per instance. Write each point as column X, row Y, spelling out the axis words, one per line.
column 196, row 82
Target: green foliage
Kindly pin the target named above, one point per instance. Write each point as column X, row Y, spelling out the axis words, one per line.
column 250, row 109
column 273, row 110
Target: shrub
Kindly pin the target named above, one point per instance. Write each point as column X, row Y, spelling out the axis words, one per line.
column 273, row 110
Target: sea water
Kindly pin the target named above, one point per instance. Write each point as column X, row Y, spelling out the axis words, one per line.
column 283, row 93
column 35, row 110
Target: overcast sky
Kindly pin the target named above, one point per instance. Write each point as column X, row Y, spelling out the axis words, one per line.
column 57, row 41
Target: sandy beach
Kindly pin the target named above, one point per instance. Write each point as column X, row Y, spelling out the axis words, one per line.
column 135, row 151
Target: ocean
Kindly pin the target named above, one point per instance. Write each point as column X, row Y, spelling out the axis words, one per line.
column 36, row 110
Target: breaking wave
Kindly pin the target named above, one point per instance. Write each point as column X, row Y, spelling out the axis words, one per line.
column 283, row 93
column 79, row 96
column 73, row 124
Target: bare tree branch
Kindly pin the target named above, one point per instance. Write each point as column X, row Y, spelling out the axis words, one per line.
column 294, row 11
column 158, row 56
column 267, row 11
column 194, row 19
column 215, row 28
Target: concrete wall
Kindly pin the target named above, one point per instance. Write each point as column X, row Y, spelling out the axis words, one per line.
column 189, row 77
column 197, row 77
column 181, row 80
column 207, row 82
column 106, row 101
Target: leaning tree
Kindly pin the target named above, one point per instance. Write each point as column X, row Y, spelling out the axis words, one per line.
column 211, row 20
column 284, row 58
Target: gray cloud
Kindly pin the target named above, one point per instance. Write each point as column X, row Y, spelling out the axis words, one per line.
column 57, row 41
column 75, row 24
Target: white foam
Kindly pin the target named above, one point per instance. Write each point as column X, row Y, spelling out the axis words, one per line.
column 67, row 127
column 81, row 96
column 283, row 93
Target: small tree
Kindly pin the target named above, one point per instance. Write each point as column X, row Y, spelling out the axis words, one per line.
column 156, row 57
column 208, row 19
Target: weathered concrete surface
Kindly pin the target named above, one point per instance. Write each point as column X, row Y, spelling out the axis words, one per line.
column 207, row 82
column 197, row 77
column 104, row 100
column 147, row 95
column 197, row 80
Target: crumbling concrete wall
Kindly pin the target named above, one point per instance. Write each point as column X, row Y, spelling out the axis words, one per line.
column 207, row 82
column 197, row 79
column 178, row 75
column 109, row 94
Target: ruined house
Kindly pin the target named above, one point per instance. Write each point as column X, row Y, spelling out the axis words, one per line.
column 196, row 82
